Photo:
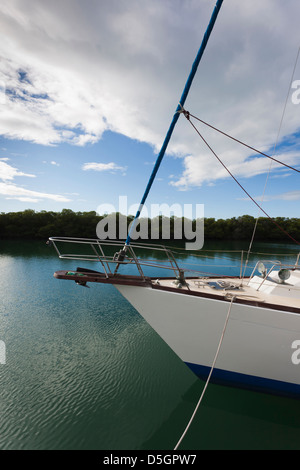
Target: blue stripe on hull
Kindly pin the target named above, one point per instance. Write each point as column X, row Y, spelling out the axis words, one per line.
column 235, row 379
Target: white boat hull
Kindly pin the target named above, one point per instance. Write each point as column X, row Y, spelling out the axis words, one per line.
column 261, row 345
column 257, row 349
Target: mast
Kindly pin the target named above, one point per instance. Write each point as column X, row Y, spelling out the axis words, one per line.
column 176, row 115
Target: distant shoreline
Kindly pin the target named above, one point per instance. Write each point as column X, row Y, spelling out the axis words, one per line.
column 31, row 225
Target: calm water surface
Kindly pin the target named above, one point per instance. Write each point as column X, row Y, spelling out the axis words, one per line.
column 84, row 371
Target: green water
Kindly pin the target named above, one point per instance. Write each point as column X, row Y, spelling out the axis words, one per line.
column 84, row 371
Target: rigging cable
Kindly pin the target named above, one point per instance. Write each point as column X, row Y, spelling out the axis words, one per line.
column 239, row 141
column 187, row 115
column 209, row 375
column 274, row 150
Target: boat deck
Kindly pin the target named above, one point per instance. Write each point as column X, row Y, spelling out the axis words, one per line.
column 276, row 286
column 286, row 295
column 256, row 291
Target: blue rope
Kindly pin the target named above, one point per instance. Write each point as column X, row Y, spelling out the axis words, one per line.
column 178, row 110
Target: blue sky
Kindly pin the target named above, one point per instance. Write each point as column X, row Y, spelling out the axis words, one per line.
column 88, row 90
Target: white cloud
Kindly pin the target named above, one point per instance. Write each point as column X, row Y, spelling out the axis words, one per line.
column 287, row 196
column 8, row 172
column 23, row 199
column 12, row 191
column 72, row 71
column 111, row 167
column 206, row 168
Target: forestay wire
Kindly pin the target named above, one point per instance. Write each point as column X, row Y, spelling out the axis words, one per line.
column 176, row 114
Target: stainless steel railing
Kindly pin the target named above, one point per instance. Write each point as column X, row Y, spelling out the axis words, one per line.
column 103, row 251
column 107, row 253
